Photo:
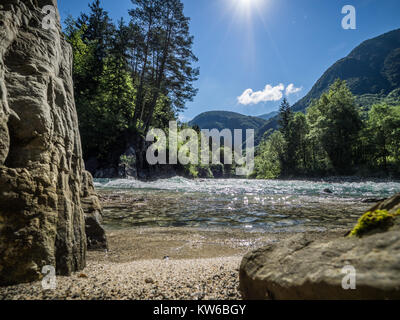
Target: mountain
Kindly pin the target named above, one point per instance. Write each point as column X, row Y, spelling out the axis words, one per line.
column 229, row 120
column 372, row 72
column 371, row 68
column 268, row 116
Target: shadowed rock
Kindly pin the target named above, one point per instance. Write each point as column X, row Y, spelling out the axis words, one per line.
column 95, row 233
column 41, row 167
column 304, row 268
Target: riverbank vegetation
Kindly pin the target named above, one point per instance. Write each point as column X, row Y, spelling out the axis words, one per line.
column 335, row 136
column 130, row 76
column 138, row 74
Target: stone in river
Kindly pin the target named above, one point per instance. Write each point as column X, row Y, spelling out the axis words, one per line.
column 304, row 268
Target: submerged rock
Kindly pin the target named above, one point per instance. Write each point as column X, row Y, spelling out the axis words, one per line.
column 304, row 268
column 372, row 200
column 41, row 167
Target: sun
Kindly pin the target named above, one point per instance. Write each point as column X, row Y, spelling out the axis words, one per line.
column 248, row 3
column 246, row 11
column 247, row 7
column 245, row 2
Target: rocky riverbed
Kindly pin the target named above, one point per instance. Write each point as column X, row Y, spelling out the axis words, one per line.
column 158, row 263
column 146, row 261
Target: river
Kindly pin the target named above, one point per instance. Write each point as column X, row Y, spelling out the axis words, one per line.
column 249, row 205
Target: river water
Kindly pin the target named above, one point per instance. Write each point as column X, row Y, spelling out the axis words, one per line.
column 248, row 205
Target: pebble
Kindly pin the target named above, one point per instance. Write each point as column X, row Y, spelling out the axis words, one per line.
column 130, row 281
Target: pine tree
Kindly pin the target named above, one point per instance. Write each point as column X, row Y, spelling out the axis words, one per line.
column 166, row 66
column 285, row 116
column 285, row 120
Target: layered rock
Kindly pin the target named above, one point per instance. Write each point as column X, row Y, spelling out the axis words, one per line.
column 41, row 167
column 302, row 268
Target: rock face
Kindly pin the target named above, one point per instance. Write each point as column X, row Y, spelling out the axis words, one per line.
column 95, row 233
column 301, row 268
column 41, row 167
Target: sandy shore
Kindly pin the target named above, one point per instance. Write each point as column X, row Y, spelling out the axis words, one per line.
column 156, row 264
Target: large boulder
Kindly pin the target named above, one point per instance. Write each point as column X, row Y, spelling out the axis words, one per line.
column 304, row 268
column 41, row 167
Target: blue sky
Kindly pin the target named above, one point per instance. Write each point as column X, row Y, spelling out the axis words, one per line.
column 251, row 44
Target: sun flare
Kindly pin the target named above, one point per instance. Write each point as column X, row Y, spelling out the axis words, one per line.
column 248, row 7
column 248, row 3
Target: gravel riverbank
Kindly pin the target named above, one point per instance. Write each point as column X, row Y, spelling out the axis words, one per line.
column 157, row 264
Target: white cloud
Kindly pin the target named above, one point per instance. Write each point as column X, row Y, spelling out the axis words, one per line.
column 269, row 93
column 291, row 89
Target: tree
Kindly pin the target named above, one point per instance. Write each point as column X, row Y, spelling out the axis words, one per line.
column 298, row 141
column 285, row 117
column 116, row 78
column 166, row 64
column 335, row 123
column 383, row 132
column 130, row 77
column 99, row 30
column 285, row 120
column 268, row 162
column 91, row 36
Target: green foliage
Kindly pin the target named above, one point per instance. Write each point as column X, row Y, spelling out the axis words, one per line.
column 381, row 137
column 164, row 60
column 335, row 123
column 299, row 130
column 128, row 161
column 285, row 118
column 268, row 160
column 294, row 128
column 376, row 220
column 129, row 77
column 366, row 101
column 333, row 138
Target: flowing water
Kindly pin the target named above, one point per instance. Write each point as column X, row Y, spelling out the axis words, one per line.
column 250, row 205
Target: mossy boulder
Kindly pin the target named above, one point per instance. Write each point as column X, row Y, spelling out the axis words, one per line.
column 374, row 221
column 304, row 267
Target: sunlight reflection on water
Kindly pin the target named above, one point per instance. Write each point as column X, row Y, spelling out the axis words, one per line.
column 273, row 206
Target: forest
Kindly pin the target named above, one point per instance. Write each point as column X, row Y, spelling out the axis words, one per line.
column 135, row 75
column 335, row 136
column 131, row 76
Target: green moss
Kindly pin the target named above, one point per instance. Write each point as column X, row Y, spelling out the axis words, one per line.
column 379, row 219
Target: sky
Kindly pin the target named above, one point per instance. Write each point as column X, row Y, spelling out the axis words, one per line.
column 253, row 53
